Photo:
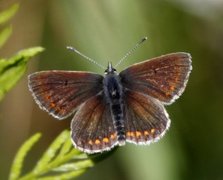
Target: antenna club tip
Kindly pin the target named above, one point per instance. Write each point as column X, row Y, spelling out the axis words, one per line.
column 144, row 38
column 69, row 47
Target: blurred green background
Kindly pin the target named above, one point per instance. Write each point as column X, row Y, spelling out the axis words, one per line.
column 105, row 30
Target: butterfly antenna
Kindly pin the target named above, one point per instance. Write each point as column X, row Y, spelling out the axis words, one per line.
column 86, row 57
column 131, row 50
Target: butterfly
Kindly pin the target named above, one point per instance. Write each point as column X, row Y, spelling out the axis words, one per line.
column 116, row 108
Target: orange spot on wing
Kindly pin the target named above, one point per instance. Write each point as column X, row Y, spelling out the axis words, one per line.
column 106, row 140
column 47, row 97
column 132, row 134
column 172, row 88
column 52, row 104
column 167, row 93
column 90, row 142
column 112, row 136
column 128, row 133
column 153, row 131
column 138, row 133
column 97, row 141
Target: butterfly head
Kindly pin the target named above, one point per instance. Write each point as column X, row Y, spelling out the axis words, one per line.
column 110, row 69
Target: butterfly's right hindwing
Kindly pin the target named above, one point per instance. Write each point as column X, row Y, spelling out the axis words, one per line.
column 92, row 128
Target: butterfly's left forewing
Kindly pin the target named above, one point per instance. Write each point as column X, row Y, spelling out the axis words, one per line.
column 146, row 120
column 60, row 93
column 163, row 78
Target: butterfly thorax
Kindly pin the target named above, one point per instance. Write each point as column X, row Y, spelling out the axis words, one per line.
column 114, row 97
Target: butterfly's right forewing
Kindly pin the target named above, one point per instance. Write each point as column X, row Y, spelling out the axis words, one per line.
column 61, row 92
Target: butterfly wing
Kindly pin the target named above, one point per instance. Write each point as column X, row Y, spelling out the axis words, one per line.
column 146, row 120
column 61, row 92
column 92, row 128
column 163, row 78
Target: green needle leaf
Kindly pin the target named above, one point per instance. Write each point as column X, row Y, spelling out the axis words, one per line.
column 82, row 164
column 20, row 156
column 60, row 161
column 51, row 151
column 65, row 148
column 9, row 13
column 4, row 35
column 64, row 176
column 11, row 70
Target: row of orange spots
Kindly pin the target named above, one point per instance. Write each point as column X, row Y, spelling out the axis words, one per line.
column 172, row 88
column 53, row 105
column 47, row 98
column 138, row 133
column 130, row 134
column 105, row 140
column 57, row 109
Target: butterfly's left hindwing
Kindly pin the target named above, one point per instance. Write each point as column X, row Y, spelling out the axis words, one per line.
column 61, row 92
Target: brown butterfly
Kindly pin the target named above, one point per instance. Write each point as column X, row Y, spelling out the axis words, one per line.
column 115, row 108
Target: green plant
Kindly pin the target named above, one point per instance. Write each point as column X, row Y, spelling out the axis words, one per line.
column 5, row 16
column 12, row 69
column 59, row 161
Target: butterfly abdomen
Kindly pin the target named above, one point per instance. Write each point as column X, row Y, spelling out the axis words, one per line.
column 114, row 96
column 117, row 113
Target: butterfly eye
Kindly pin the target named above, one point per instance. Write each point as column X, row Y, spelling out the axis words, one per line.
column 110, row 71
